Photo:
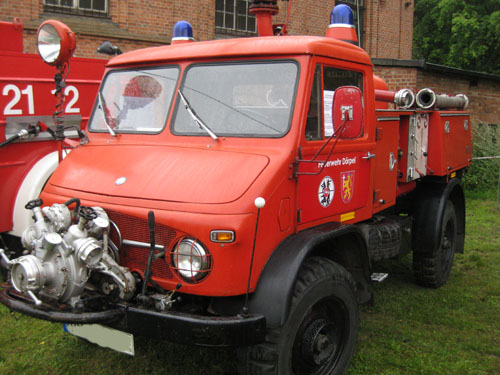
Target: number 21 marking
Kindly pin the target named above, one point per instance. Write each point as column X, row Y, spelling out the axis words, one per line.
column 9, row 108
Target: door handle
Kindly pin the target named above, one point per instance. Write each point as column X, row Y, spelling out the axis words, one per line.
column 368, row 156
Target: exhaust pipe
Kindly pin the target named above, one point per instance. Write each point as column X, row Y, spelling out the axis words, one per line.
column 264, row 10
column 427, row 99
column 404, row 98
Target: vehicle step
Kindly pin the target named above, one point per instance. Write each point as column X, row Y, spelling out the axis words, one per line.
column 379, row 277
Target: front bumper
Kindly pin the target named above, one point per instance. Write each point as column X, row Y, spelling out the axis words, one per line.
column 171, row 326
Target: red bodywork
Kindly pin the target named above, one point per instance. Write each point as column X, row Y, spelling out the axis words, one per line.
column 195, row 184
column 26, row 83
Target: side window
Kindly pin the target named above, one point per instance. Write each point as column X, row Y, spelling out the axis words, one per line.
column 326, row 80
column 314, row 114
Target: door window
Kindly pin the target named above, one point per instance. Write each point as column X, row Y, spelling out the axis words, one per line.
column 326, row 80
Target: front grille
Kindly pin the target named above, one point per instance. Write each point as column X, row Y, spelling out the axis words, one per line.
column 136, row 229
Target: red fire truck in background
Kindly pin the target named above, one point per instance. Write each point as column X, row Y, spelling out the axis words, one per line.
column 237, row 192
column 28, row 152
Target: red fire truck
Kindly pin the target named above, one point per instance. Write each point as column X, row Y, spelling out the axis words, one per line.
column 28, row 151
column 237, row 192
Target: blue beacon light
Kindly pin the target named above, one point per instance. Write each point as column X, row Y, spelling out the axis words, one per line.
column 342, row 24
column 342, row 14
column 183, row 32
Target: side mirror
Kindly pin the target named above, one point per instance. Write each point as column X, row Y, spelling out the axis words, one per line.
column 347, row 112
column 109, row 49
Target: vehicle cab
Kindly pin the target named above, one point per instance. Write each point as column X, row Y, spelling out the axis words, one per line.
column 197, row 131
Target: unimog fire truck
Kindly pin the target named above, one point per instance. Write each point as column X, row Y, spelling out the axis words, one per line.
column 235, row 193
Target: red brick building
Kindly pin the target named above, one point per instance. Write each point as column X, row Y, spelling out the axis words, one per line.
column 385, row 28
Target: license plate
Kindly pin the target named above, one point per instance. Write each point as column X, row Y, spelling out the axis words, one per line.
column 103, row 336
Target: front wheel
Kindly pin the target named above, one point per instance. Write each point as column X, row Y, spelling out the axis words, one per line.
column 319, row 335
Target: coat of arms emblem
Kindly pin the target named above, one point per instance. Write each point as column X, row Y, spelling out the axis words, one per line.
column 347, row 185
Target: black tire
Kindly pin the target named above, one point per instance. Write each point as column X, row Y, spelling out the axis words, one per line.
column 13, row 248
column 432, row 269
column 320, row 333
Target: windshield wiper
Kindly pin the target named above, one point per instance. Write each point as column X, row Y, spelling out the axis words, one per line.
column 102, row 104
column 196, row 118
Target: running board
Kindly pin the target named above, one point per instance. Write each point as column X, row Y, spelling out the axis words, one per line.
column 379, row 277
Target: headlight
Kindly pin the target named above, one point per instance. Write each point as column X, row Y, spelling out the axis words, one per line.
column 56, row 42
column 191, row 260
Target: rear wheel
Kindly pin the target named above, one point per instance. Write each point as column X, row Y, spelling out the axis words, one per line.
column 319, row 335
column 433, row 268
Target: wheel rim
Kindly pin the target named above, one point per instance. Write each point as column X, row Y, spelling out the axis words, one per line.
column 447, row 245
column 320, row 338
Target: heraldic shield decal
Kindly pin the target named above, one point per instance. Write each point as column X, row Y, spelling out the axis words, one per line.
column 347, row 186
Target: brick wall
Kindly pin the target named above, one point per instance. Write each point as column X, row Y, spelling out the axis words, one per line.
column 387, row 31
column 389, row 28
column 138, row 23
column 23, row 9
column 131, row 24
column 398, row 78
column 306, row 17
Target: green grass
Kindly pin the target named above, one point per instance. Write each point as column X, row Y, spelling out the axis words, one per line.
column 409, row 330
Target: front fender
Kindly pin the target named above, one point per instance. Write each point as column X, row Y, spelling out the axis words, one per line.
column 31, row 187
column 273, row 295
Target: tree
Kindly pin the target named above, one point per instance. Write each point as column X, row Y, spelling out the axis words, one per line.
column 459, row 33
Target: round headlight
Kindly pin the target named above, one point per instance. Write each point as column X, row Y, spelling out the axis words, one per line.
column 191, row 260
column 56, row 42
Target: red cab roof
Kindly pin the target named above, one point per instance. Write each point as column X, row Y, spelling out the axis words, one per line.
column 245, row 47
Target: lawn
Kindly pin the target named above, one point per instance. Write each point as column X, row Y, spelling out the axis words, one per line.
column 409, row 330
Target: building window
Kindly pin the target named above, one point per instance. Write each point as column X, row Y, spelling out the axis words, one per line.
column 357, row 6
column 231, row 16
column 97, row 8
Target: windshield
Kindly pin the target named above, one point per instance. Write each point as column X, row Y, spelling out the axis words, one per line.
column 136, row 101
column 237, row 99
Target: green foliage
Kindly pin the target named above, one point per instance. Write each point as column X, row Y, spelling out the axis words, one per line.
column 459, row 33
column 483, row 174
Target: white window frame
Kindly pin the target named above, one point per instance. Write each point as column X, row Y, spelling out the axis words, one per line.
column 76, row 6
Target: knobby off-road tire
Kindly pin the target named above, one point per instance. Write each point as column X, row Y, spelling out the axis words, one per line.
column 319, row 335
column 432, row 268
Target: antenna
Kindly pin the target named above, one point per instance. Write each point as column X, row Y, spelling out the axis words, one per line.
column 357, row 18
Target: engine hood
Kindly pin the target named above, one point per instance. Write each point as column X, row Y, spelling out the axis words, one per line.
column 163, row 173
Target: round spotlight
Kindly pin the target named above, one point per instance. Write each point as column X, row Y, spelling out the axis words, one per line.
column 56, row 42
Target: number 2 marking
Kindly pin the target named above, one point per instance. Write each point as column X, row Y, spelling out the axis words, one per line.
column 72, row 102
column 76, row 95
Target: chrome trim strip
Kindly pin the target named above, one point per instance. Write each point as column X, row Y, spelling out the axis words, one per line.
column 143, row 245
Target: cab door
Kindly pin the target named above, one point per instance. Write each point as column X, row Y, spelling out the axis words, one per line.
column 333, row 171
